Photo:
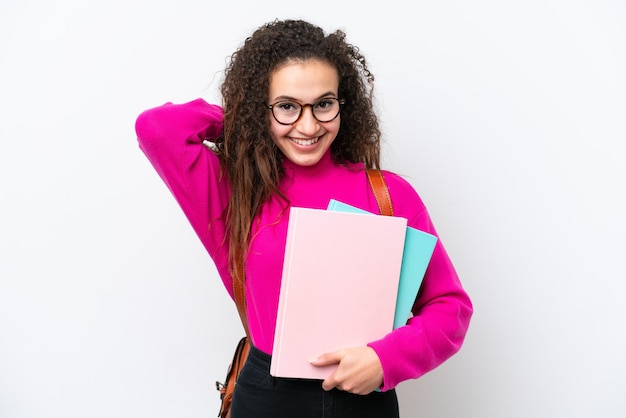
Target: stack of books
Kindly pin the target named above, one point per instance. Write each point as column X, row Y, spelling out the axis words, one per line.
column 349, row 277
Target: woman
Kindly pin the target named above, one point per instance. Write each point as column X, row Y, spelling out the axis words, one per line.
column 297, row 128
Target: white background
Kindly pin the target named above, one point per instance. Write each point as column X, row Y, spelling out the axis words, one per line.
column 508, row 117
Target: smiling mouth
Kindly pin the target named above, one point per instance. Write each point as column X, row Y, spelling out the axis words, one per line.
column 305, row 142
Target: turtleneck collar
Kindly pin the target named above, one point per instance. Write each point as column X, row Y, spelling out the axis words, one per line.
column 295, row 171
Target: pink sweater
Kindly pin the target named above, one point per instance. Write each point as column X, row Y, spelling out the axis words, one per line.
column 172, row 136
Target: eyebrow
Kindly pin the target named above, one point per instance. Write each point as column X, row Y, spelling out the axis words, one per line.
column 322, row 96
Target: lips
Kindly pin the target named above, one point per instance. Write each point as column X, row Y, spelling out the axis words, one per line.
column 305, row 142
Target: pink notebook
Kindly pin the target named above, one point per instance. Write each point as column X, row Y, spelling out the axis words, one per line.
column 339, row 286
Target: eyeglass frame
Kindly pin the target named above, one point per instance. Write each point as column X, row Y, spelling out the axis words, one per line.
column 341, row 102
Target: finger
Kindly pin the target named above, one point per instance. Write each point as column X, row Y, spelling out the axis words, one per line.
column 327, row 359
column 330, row 383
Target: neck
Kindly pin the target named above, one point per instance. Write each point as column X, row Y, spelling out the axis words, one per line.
column 295, row 170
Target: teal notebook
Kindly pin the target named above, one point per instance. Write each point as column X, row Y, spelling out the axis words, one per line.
column 418, row 249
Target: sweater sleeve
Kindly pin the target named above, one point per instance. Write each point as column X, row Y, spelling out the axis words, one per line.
column 441, row 313
column 172, row 138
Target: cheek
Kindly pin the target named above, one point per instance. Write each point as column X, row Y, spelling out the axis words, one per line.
column 278, row 131
column 335, row 126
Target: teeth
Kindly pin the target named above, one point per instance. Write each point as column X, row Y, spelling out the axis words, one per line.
column 305, row 141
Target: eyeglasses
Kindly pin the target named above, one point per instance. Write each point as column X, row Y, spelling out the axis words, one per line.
column 288, row 112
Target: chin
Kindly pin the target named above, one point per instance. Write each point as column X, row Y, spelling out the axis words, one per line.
column 305, row 161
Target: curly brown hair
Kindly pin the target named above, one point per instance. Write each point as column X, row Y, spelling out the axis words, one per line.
column 252, row 162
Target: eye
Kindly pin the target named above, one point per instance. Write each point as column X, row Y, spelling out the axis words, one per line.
column 287, row 107
column 325, row 104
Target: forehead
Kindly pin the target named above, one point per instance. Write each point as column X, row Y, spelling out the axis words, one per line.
column 303, row 80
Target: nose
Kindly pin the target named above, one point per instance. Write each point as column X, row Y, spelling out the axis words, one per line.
column 307, row 123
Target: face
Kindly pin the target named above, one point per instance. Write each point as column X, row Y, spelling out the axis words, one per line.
column 307, row 140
